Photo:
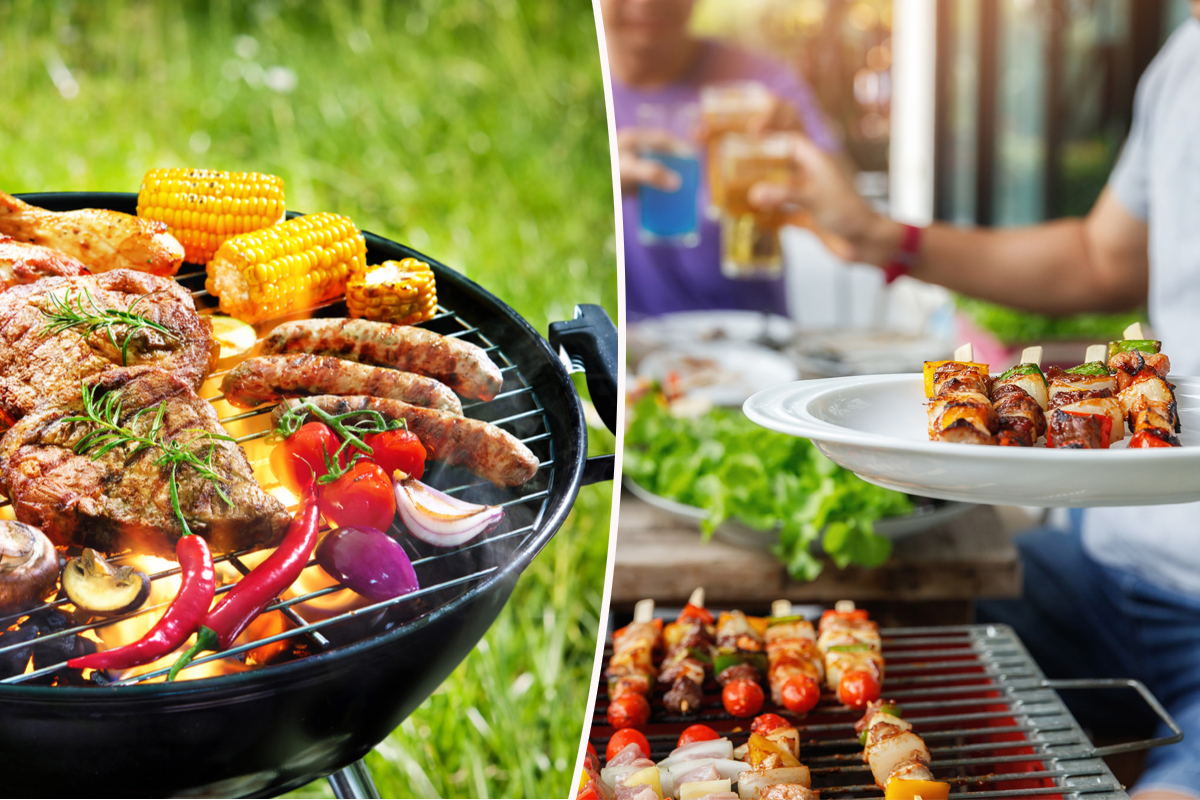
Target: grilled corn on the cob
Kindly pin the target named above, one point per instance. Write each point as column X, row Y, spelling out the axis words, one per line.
column 399, row 292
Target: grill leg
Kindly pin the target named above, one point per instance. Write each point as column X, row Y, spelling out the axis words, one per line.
column 354, row 781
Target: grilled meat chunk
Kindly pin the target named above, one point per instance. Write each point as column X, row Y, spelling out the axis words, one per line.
column 268, row 379
column 22, row 263
column 964, row 417
column 120, row 499
column 488, row 451
column 462, row 366
column 103, row 240
column 683, row 697
column 1021, row 419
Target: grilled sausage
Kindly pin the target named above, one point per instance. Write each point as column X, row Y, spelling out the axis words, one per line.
column 482, row 448
column 268, row 379
column 462, row 366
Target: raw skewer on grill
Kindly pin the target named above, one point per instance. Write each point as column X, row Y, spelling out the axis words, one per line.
column 690, row 645
column 774, row 752
column 853, row 661
column 740, row 663
column 1019, row 397
column 960, row 407
column 795, row 667
column 898, row 757
column 1084, row 412
column 1146, row 398
column 631, row 670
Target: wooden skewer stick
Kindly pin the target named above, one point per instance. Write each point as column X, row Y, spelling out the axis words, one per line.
column 697, row 598
column 843, row 606
column 781, row 608
column 643, row 611
column 1134, row 331
column 1032, row 355
column 1096, row 352
column 965, row 352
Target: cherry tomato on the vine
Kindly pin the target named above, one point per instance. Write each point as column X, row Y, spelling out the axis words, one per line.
column 858, row 688
column 697, row 733
column 294, row 457
column 765, row 723
column 628, row 711
column 396, row 450
column 361, row 496
column 622, row 739
column 800, row 694
column 742, row 698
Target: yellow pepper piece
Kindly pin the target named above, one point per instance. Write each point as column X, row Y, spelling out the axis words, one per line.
column 902, row 789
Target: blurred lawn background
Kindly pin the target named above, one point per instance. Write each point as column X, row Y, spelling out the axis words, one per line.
column 473, row 130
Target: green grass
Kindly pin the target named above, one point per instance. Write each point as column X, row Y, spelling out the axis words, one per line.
column 474, row 131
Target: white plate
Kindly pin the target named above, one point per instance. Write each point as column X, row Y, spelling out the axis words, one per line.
column 733, row 531
column 724, row 374
column 686, row 327
column 875, row 426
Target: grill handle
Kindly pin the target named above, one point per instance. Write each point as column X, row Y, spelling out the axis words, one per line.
column 590, row 344
column 1140, row 688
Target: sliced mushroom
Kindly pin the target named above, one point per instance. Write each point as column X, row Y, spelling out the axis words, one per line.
column 28, row 566
column 96, row 586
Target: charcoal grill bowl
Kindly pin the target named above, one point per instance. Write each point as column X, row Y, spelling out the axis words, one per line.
column 266, row 731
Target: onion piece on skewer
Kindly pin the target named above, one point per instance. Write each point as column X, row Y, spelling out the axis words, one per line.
column 439, row 519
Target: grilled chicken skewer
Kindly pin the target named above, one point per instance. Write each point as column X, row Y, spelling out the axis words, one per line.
column 795, row 667
column 690, row 645
column 631, row 670
column 1146, row 398
column 853, row 661
column 740, row 663
column 1019, row 397
column 898, row 757
column 774, row 753
column 101, row 239
column 1084, row 412
column 960, row 408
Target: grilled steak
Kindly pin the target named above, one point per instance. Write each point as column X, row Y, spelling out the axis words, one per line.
column 268, row 379
column 121, row 499
column 25, row 263
column 488, row 451
column 38, row 366
column 462, row 366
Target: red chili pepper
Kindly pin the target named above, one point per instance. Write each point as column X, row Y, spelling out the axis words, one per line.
column 181, row 618
column 253, row 593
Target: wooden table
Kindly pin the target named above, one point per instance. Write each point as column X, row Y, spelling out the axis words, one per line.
column 932, row 576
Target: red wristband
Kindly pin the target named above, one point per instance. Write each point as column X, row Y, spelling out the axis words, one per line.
column 905, row 257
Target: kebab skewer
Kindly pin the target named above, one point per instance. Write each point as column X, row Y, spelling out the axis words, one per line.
column 773, row 751
column 1084, row 411
column 795, row 667
column 631, row 670
column 898, row 757
column 740, row 662
column 960, row 407
column 690, row 645
column 1019, row 397
column 851, row 644
column 1146, row 398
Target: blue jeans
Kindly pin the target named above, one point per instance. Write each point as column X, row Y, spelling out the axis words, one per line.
column 1082, row 619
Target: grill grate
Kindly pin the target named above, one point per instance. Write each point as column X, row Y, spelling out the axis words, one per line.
column 443, row 573
column 995, row 727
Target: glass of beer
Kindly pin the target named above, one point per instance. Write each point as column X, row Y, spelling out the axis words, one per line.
column 670, row 217
column 727, row 107
column 750, row 248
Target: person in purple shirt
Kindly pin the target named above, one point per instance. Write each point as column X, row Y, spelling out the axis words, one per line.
column 654, row 61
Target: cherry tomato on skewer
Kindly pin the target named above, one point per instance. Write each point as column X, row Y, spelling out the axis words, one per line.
column 697, row 733
column 800, row 694
column 742, row 698
column 622, row 739
column 856, row 689
column 765, row 723
column 628, row 711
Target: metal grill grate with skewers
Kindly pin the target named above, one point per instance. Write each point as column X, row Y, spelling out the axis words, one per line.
column 443, row 573
column 994, row 725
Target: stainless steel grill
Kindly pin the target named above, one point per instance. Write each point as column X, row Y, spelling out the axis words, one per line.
column 995, row 726
column 444, row 573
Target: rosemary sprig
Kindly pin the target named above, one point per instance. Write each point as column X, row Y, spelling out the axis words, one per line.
column 108, row 434
column 65, row 316
column 350, row 433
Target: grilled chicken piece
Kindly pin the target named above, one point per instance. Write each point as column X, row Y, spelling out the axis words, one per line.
column 964, row 417
column 101, row 239
column 1021, row 420
column 954, row 377
column 488, row 451
column 1079, row 427
column 37, row 366
column 1151, row 428
column 120, row 500
column 1067, row 387
column 462, row 366
column 1127, row 365
column 268, row 379
column 22, row 263
column 1157, row 393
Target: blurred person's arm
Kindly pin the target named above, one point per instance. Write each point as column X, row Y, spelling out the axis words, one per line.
column 1098, row 263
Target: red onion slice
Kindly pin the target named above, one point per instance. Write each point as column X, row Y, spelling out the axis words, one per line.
column 439, row 519
column 367, row 561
